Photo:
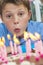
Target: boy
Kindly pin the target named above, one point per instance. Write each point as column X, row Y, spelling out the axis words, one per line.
column 15, row 15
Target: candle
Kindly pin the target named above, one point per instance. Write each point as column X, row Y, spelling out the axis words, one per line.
column 28, row 44
column 37, row 56
column 20, row 53
column 4, row 51
column 0, row 52
column 0, row 56
column 34, row 38
column 39, row 44
column 1, row 49
column 19, row 48
column 15, row 45
column 11, row 44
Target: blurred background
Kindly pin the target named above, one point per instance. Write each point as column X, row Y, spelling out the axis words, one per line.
column 37, row 10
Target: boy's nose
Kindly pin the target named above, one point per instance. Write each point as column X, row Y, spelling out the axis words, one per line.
column 16, row 21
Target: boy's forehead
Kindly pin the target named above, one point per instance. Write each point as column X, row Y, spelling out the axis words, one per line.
column 11, row 7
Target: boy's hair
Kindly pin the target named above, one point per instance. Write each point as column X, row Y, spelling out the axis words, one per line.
column 16, row 2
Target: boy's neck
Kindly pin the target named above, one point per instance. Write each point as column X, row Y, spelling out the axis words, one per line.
column 20, row 37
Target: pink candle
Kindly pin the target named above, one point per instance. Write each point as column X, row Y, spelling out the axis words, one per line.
column 0, row 60
column 37, row 51
column 15, row 49
column 0, row 52
column 5, row 55
column 0, row 55
column 20, row 53
column 15, row 44
column 28, row 44
column 4, row 52
column 11, row 44
column 40, row 47
column 28, row 48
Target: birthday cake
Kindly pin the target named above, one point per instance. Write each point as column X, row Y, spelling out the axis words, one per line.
column 10, row 55
column 14, row 60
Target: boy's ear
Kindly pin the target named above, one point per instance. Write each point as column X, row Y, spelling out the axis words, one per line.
column 1, row 18
column 29, row 14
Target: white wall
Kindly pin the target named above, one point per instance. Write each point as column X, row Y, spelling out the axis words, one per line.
column 37, row 9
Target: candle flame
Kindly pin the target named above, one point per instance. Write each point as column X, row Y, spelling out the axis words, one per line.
column 32, row 37
column 0, row 39
column 8, row 36
column 37, row 35
column 26, row 35
column 3, row 39
column 1, row 43
column 15, row 39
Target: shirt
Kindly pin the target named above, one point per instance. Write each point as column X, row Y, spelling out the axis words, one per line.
column 33, row 26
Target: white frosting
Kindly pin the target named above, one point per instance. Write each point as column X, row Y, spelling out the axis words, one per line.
column 10, row 63
column 25, row 63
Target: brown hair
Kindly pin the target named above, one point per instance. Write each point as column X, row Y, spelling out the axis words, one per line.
column 16, row 2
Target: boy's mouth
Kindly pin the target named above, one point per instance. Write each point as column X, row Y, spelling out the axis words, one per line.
column 17, row 30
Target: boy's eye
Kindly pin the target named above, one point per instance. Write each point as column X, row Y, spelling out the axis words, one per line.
column 20, row 13
column 9, row 16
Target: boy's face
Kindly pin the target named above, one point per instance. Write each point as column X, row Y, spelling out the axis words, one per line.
column 15, row 18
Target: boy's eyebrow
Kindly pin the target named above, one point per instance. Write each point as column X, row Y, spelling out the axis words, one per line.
column 11, row 11
column 22, row 9
column 7, row 11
